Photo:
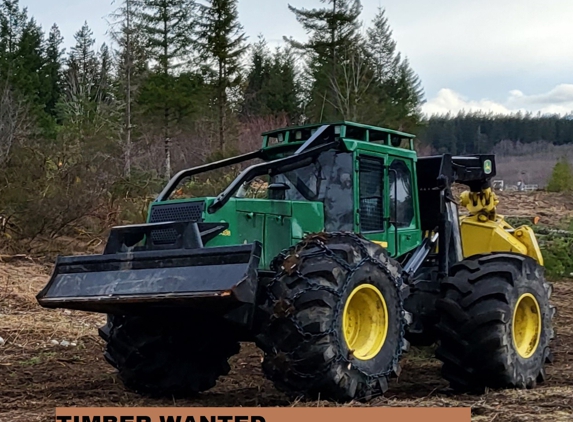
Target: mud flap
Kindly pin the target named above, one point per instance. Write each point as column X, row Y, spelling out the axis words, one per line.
column 220, row 279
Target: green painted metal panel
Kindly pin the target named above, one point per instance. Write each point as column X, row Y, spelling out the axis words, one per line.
column 264, row 206
column 380, row 149
column 308, row 217
column 227, row 214
column 277, row 237
column 268, row 222
column 250, row 227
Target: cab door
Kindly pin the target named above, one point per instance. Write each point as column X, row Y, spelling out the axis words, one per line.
column 371, row 198
column 403, row 228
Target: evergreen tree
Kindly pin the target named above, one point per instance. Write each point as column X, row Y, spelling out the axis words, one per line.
column 330, row 28
column 28, row 62
column 52, row 71
column 131, row 65
column 220, row 39
column 167, row 27
column 12, row 24
column 333, row 32
column 405, row 95
column 396, row 91
column 82, row 61
column 255, row 101
column 381, row 48
column 283, row 87
column 104, row 74
column 272, row 86
column 79, row 105
column 561, row 179
column 30, row 78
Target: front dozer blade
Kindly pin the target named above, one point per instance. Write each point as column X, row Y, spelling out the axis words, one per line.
column 217, row 278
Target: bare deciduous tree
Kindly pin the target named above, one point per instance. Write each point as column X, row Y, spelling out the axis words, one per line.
column 351, row 85
column 13, row 118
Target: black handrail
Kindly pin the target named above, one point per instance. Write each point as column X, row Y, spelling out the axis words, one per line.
column 183, row 174
column 285, row 164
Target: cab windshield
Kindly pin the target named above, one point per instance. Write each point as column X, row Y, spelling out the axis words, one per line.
column 328, row 180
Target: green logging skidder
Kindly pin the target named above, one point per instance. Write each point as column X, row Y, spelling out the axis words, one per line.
column 356, row 251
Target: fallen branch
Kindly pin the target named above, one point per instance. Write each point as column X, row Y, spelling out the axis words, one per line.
column 10, row 258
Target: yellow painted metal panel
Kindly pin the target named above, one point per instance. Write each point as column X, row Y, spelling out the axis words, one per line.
column 497, row 236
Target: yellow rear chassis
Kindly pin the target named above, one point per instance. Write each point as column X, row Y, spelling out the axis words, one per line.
column 485, row 231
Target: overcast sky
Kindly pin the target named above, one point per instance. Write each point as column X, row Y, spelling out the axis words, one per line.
column 499, row 55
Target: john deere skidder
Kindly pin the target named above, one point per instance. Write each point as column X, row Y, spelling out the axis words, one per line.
column 356, row 252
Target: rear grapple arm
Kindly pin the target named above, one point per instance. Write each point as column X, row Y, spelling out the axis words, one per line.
column 482, row 230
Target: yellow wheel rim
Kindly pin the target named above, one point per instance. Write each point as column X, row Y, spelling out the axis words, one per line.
column 526, row 325
column 365, row 321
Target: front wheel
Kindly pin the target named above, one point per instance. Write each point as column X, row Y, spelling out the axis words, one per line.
column 169, row 354
column 335, row 326
column 495, row 323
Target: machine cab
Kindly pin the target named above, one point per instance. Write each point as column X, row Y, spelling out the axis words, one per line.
column 370, row 188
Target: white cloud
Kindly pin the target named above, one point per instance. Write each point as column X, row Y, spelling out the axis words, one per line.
column 558, row 100
column 561, row 94
column 448, row 100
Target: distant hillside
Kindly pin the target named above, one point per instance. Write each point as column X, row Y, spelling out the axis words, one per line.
column 527, row 146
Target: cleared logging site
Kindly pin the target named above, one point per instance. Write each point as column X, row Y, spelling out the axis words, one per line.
column 37, row 373
column 328, row 293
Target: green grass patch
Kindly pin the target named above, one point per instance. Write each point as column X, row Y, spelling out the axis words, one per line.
column 36, row 360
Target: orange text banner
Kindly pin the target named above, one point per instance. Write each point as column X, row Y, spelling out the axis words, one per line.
column 263, row 414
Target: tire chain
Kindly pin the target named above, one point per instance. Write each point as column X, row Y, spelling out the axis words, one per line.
column 351, row 269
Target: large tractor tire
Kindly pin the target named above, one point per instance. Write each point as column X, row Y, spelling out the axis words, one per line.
column 421, row 303
column 335, row 319
column 168, row 355
column 495, row 323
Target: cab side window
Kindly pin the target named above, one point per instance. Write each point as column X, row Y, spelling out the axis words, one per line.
column 401, row 197
column 371, row 174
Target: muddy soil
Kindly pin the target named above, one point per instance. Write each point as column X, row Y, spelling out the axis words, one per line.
column 38, row 374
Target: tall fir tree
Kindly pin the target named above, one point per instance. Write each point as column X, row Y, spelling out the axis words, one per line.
column 12, row 23
column 381, row 47
column 333, row 31
column 407, row 98
column 272, row 86
column 104, row 74
column 83, row 61
column 254, row 98
column 330, row 28
column 27, row 65
column 283, row 89
column 28, row 62
column 167, row 28
column 396, row 90
column 221, row 43
column 79, row 105
column 52, row 71
column 131, row 65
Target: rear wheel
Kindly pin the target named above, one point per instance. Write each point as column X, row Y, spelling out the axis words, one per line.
column 495, row 323
column 335, row 321
column 173, row 355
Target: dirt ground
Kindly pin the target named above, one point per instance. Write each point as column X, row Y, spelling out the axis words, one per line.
column 38, row 373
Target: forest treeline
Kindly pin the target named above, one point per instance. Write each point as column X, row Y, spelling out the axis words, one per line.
column 88, row 132
column 479, row 132
column 178, row 83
